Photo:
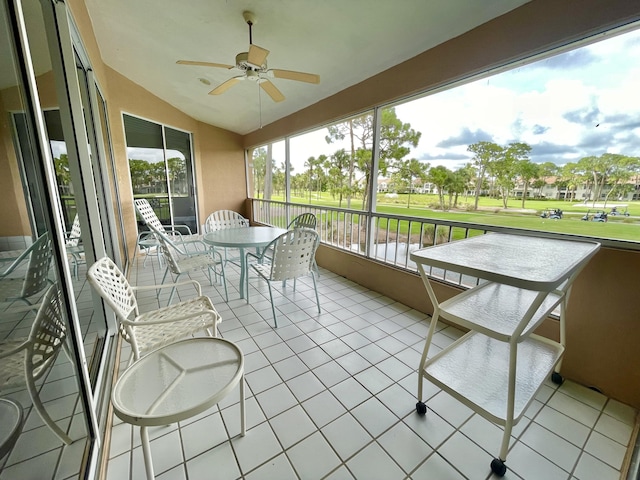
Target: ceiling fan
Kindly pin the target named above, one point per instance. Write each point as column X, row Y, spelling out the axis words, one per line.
column 253, row 65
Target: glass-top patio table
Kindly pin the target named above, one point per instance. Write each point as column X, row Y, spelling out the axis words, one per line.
column 242, row 238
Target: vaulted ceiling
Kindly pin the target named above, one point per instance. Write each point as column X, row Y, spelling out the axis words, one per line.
column 343, row 41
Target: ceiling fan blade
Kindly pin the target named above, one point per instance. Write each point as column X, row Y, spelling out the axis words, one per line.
column 257, row 55
column 223, row 87
column 298, row 76
column 275, row 94
column 204, row 64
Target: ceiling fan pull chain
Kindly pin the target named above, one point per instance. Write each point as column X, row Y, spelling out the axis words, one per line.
column 260, row 104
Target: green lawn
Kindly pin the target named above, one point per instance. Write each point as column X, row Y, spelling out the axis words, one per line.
column 491, row 213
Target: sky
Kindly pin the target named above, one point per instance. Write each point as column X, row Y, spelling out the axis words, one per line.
column 580, row 103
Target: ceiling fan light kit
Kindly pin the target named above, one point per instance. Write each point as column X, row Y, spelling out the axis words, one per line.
column 253, row 65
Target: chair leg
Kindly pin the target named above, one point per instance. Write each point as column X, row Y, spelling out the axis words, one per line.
column 37, row 403
column 224, row 282
column 146, row 453
column 315, row 287
column 273, row 307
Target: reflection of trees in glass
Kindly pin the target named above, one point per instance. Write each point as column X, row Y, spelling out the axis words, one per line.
column 63, row 175
column 151, row 177
column 178, row 175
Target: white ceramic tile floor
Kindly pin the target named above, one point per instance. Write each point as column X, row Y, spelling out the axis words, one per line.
column 333, row 396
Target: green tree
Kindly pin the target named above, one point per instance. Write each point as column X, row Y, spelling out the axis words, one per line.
column 396, row 140
column 440, row 176
column 484, row 154
column 407, row 172
column 259, row 162
column 620, row 175
column 338, row 174
column 458, row 183
column 527, row 171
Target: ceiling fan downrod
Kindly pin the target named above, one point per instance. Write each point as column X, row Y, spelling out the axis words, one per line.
column 250, row 19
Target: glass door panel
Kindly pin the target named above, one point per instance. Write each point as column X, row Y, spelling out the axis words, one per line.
column 29, row 217
column 161, row 168
column 180, row 178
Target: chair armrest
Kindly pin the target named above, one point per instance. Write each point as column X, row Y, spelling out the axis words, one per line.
column 135, row 323
column 166, row 285
column 16, row 263
column 175, row 227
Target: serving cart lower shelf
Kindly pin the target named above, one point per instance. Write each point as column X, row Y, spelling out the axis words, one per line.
column 476, row 368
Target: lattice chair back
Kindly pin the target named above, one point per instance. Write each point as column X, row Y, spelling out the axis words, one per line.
column 143, row 207
column 25, row 361
column 48, row 334
column 293, row 254
column 74, row 236
column 169, row 250
column 113, row 287
column 224, row 219
column 37, row 276
column 304, row 220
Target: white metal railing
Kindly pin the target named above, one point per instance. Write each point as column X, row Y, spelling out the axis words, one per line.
column 387, row 238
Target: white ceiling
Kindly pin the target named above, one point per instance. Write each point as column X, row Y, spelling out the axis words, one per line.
column 344, row 41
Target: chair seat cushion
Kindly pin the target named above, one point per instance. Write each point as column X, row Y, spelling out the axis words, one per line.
column 155, row 336
column 197, row 262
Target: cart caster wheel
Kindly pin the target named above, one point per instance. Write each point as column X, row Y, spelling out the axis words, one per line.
column 498, row 467
column 557, row 378
column 421, row 408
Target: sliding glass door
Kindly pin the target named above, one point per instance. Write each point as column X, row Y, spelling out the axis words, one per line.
column 161, row 167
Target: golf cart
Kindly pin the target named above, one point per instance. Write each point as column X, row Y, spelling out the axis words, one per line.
column 615, row 212
column 555, row 214
column 596, row 217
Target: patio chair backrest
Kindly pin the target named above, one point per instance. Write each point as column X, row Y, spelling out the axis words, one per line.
column 224, row 219
column 170, row 251
column 143, row 207
column 48, row 334
column 293, row 253
column 36, row 277
column 74, row 235
column 110, row 283
column 304, row 220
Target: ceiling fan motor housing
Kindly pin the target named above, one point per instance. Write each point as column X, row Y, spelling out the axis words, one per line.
column 242, row 63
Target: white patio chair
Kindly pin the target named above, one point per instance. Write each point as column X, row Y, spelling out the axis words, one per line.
column 222, row 220
column 291, row 257
column 148, row 241
column 28, row 275
column 179, row 262
column 151, row 330
column 75, row 251
column 26, row 360
column 306, row 220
